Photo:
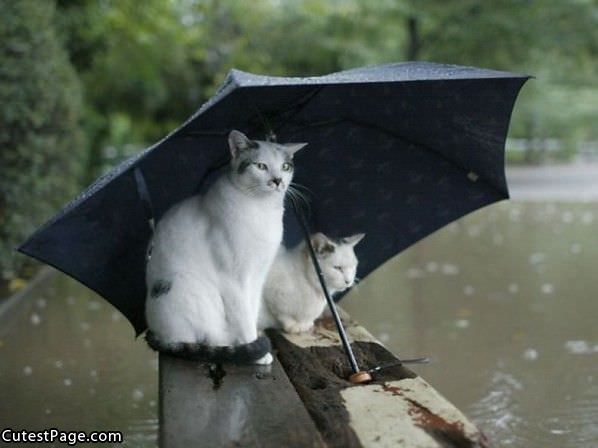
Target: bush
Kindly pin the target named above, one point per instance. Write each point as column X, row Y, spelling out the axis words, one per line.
column 41, row 145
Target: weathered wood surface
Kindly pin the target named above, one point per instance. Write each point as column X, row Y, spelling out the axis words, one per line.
column 397, row 409
column 231, row 406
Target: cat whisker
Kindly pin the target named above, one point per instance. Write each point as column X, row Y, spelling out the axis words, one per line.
column 297, row 198
column 296, row 185
column 292, row 197
column 299, row 193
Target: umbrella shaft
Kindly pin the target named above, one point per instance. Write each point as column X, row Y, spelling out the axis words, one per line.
column 331, row 304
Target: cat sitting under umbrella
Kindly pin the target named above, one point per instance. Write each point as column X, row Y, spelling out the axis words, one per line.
column 293, row 297
column 211, row 253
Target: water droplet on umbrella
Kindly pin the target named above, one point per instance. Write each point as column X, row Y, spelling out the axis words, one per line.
column 67, row 382
column 468, row 290
column 547, row 288
column 41, row 303
column 575, row 248
column 27, row 370
column 472, row 176
column 513, row 288
column 58, row 364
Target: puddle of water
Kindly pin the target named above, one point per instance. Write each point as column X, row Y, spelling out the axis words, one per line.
column 510, row 326
column 502, row 301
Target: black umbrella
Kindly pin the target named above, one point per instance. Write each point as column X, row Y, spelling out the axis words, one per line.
column 396, row 151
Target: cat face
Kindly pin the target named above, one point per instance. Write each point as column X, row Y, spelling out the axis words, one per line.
column 259, row 167
column 337, row 259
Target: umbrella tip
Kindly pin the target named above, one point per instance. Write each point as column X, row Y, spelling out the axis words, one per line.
column 360, row 377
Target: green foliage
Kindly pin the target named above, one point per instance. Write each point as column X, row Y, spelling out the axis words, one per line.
column 143, row 67
column 41, row 147
column 146, row 69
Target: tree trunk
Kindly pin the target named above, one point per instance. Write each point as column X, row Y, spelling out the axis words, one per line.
column 413, row 39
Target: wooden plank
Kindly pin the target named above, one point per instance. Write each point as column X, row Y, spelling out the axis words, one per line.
column 397, row 409
column 231, row 406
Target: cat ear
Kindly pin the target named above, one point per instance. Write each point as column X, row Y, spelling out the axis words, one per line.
column 353, row 239
column 238, row 142
column 321, row 244
column 292, row 148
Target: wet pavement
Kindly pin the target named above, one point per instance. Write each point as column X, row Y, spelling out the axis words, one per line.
column 504, row 302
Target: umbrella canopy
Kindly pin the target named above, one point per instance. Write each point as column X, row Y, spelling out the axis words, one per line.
column 396, row 151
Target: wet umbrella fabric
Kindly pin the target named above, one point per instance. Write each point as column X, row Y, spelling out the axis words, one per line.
column 396, row 151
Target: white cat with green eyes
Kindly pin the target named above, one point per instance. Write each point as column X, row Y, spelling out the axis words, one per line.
column 292, row 297
column 211, row 254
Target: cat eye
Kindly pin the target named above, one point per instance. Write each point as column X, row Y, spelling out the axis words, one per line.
column 287, row 166
column 339, row 268
column 261, row 166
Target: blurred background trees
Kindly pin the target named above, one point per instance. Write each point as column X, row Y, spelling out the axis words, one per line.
column 84, row 83
column 41, row 145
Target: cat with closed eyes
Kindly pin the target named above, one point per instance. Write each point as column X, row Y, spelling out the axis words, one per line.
column 211, row 253
column 292, row 296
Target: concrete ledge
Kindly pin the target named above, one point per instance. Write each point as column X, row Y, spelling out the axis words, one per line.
column 231, row 406
column 304, row 400
column 397, row 409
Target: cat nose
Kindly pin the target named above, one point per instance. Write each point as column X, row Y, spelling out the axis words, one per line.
column 276, row 181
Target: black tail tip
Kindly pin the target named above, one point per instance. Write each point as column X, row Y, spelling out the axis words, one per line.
column 237, row 354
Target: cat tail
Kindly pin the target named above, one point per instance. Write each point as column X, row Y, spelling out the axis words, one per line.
column 237, row 354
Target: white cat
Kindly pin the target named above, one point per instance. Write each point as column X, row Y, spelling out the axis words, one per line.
column 293, row 297
column 211, row 255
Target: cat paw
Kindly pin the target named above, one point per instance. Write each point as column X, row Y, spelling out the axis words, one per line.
column 305, row 326
column 292, row 328
column 265, row 360
column 298, row 327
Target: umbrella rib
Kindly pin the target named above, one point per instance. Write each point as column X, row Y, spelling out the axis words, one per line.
column 262, row 117
column 366, row 124
column 285, row 114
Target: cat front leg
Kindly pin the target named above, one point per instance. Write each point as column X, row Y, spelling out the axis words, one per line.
column 241, row 317
column 242, row 325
